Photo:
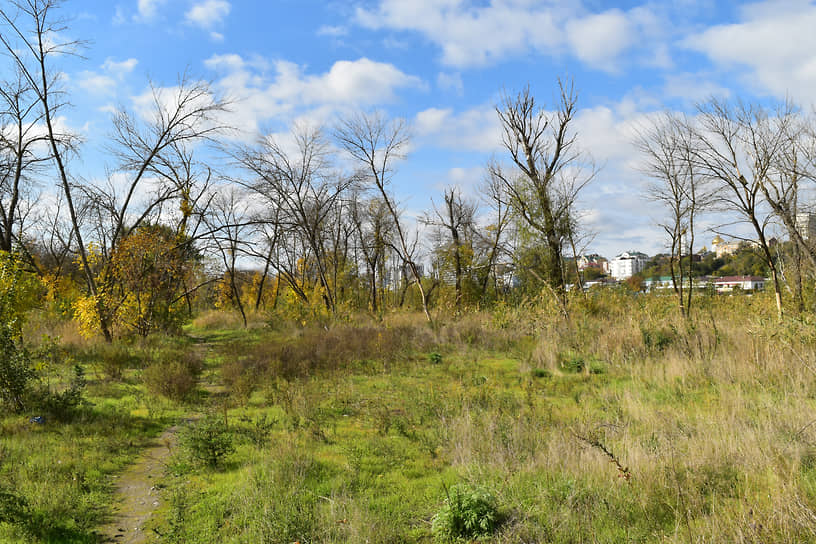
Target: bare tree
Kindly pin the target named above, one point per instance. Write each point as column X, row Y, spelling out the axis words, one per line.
column 22, row 154
column 31, row 34
column 793, row 171
column 375, row 143
column 299, row 180
column 455, row 222
column 552, row 169
column 374, row 230
column 668, row 147
column 227, row 219
column 738, row 147
column 494, row 193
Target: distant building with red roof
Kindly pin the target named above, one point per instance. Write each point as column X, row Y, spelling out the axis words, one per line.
column 745, row 283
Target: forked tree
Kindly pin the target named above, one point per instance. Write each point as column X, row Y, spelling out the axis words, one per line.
column 375, row 143
column 668, row 147
column 549, row 171
column 738, row 148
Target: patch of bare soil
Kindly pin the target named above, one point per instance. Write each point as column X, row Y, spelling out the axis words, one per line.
column 136, row 494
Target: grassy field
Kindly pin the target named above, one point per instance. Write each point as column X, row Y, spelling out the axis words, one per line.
column 623, row 424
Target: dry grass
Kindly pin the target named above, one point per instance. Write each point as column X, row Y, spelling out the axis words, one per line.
column 709, row 422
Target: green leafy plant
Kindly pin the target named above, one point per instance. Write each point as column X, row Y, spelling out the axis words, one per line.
column 16, row 372
column 209, row 441
column 61, row 405
column 435, row 358
column 542, row 373
column 469, row 513
column 571, row 361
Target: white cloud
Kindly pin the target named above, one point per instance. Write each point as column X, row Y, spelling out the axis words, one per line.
column 120, row 68
column 208, row 14
column 473, row 34
column 477, row 129
column 332, row 31
column 291, row 91
column 599, row 39
column 774, row 41
column 147, row 9
column 693, row 87
column 106, row 83
column 98, row 84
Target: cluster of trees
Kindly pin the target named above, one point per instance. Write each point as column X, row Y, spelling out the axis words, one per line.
column 184, row 210
column 749, row 162
column 175, row 217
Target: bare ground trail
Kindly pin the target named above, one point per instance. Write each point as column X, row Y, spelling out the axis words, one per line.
column 136, row 496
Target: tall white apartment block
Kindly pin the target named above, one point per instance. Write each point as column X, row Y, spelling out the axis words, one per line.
column 627, row 264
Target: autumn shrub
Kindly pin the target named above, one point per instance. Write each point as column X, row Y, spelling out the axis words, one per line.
column 173, row 374
column 241, row 376
column 657, row 338
column 339, row 348
column 112, row 359
column 217, row 319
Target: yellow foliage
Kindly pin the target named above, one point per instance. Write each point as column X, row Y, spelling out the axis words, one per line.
column 19, row 290
column 86, row 315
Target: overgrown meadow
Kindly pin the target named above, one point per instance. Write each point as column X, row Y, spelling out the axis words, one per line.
column 623, row 423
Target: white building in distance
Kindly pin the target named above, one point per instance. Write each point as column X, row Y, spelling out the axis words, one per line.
column 627, row 264
column 806, row 225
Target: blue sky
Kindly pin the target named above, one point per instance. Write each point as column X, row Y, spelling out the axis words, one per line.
column 442, row 65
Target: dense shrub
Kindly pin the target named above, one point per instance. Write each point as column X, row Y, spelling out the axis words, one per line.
column 208, row 441
column 241, row 377
column 113, row 359
column 315, row 350
column 173, row 374
column 62, row 404
column 468, row 513
column 16, row 372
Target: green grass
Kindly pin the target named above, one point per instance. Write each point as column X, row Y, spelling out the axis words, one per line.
column 580, row 432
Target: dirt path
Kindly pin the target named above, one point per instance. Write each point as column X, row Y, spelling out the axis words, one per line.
column 136, row 493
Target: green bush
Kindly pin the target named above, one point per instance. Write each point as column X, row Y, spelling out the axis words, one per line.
column 657, row 339
column 542, row 373
column 468, row 513
column 570, row 361
column 434, row 357
column 597, row 367
column 16, row 372
column 114, row 359
column 61, row 405
column 209, row 441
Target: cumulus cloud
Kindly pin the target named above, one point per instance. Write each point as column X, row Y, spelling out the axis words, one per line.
column 208, row 14
column 476, row 129
column 474, row 34
column 147, row 9
column 773, row 43
column 291, row 91
column 599, row 39
column 108, row 80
